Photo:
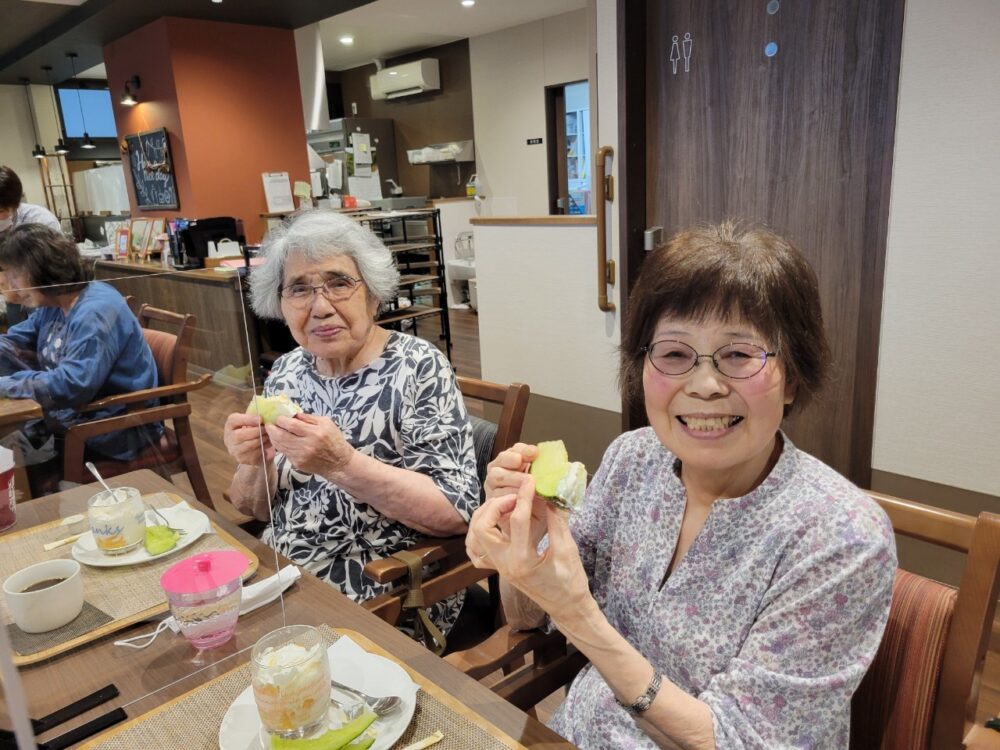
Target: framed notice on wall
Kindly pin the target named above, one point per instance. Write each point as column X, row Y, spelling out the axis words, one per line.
column 152, row 170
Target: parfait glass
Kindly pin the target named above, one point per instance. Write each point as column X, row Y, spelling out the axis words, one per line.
column 290, row 674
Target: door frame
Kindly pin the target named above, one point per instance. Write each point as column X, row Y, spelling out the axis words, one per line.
column 555, row 137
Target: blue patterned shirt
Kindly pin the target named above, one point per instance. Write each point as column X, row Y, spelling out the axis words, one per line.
column 65, row 360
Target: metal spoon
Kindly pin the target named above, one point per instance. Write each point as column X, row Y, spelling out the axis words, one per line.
column 114, row 493
column 380, row 705
column 93, row 470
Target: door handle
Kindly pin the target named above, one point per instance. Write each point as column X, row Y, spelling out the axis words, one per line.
column 605, row 266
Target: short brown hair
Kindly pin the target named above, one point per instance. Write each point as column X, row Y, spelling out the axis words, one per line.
column 730, row 271
column 11, row 190
column 46, row 257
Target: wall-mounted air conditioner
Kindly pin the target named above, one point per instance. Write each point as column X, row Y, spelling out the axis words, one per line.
column 405, row 80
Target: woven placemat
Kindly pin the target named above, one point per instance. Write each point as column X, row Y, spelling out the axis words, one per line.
column 90, row 618
column 120, row 592
column 193, row 721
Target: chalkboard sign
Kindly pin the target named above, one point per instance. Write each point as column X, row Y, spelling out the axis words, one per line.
column 152, row 170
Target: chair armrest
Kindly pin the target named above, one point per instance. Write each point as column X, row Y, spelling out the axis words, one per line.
column 389, row 569
column 500, row 649
column 148, row 394
column 981, row 738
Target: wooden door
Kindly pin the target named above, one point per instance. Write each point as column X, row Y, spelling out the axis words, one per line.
column 800, row 140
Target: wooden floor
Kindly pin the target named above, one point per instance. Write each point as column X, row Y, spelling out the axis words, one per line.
column 214, row 403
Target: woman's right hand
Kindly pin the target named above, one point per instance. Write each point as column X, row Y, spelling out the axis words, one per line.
column 507, row 471
column 244, row 436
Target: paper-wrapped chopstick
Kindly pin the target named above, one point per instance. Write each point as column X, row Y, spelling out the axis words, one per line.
column 61, row 542
column 426, row 741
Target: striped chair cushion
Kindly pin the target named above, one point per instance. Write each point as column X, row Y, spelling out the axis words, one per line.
column 894, row 705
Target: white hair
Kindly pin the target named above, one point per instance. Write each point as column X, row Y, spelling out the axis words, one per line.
column 320, row 234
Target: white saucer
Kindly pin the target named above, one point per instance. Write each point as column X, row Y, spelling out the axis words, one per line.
column 181, row 516
column 351, row 665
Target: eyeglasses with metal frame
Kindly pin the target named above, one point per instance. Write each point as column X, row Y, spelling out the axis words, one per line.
column 336, row 289
column 738, row 361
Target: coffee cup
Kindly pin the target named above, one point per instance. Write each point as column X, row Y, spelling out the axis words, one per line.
column 44, row 596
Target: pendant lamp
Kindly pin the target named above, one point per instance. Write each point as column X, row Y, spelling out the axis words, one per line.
column 87, row 142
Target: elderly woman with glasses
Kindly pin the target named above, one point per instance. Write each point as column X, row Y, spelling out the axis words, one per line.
column 382, row 452
column 727, row 587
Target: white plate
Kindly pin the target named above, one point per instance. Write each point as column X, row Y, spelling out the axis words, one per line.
column 181, row 516
column 350, row 664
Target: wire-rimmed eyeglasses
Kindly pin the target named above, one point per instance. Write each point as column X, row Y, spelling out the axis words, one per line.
column 737, row 361
column 336, row 289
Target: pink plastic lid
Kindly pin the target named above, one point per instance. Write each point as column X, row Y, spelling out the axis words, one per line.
column 204, row 572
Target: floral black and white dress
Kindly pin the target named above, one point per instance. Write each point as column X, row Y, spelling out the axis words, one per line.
column 404, row 409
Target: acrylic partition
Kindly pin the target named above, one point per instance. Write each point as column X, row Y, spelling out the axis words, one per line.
column 135, row 374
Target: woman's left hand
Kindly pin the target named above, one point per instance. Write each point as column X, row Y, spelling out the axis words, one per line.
column 508, row 528
column 312, row 443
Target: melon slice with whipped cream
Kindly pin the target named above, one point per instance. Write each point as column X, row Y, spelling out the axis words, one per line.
column 557, row 479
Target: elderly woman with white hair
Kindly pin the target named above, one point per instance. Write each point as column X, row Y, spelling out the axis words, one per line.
column 382, row 452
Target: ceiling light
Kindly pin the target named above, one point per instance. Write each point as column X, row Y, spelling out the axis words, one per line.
column 87, row 142
column 60, row 148
column 394, row 72
column 217, row 2
column 347, row 39
column 468, row 3
column 38, row 152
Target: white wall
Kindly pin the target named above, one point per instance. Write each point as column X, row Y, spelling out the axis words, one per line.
column 17, row 140
column 510, row 70
column 538, row 317
column 937, row 413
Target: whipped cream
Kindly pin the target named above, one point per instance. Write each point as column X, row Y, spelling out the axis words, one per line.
column 572, row 485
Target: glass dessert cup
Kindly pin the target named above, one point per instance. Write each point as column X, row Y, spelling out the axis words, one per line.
column 117, row 520
column 290, row 675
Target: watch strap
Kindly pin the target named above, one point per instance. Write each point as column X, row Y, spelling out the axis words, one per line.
column 644, row 701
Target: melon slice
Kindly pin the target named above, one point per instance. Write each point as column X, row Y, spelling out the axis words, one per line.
column 557, row 479
column 334, row 739
column 269, row 408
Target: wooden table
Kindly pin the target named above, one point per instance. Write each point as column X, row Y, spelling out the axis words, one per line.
column 168, row 668
column 14, row 411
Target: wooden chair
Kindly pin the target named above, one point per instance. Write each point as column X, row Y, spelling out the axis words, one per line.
column 176, row 450
column 920, row 692
column 454, row 570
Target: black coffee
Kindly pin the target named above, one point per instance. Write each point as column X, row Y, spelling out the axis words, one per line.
column 42, row 585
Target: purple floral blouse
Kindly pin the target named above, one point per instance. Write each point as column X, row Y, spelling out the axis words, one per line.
column 771, row 618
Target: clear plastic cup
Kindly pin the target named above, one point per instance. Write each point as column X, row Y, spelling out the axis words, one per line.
column 205, row 592
column 290, row 674
column 117, row 520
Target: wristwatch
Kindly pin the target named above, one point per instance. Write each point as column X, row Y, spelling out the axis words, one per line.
column 644, row 701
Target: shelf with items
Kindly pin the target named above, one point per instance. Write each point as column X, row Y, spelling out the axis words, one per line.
column 414, row 239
